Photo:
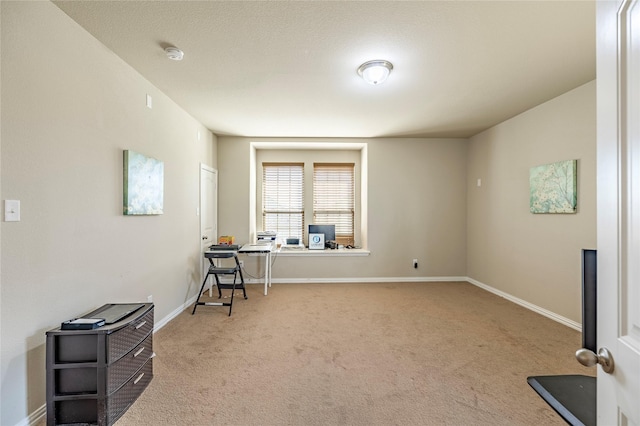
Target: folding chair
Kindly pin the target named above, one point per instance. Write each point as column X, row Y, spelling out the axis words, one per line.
column 217, row 270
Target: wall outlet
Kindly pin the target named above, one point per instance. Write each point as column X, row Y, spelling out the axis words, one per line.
column 241, row 263
column 12, row 210
column 150, row 298
column 415, row 263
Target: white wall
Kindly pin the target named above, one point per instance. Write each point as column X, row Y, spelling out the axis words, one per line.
column 533, row 257
column 416, row 209
column 69, row 109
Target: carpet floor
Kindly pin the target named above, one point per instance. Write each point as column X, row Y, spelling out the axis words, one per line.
column 356, row 354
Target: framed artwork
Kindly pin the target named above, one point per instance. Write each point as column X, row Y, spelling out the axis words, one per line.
column 143, row 184
column 553, row 187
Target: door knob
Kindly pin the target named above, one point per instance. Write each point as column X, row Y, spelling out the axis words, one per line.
column 589, row 358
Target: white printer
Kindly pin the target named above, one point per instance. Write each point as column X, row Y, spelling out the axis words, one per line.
column 266, row 237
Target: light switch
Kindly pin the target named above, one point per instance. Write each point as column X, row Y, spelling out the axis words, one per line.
column 149, row 102
column 12, row 210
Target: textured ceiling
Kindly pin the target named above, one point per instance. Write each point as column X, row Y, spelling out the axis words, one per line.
column 288, row 68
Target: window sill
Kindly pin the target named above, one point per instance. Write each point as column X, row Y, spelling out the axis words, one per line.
column 322, row 253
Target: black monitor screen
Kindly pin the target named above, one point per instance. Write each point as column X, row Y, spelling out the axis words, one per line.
column 329, row 231
column 589, row 299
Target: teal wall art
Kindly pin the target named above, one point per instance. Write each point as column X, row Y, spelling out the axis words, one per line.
column 143, row 184
column 553, row 187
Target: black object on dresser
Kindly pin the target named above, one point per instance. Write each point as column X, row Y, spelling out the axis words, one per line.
column 93, row 376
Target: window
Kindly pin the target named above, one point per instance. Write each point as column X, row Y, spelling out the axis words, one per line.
column 334, row 198
column 283, row 199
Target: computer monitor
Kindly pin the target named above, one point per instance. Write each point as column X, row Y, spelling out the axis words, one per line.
column 329, row 232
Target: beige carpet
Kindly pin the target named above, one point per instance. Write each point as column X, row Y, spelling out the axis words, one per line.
column 357, row 354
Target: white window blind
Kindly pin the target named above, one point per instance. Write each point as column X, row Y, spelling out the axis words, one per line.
column 334, row 198
column 283, row 199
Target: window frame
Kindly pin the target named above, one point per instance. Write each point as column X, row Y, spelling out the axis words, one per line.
column 310, row 151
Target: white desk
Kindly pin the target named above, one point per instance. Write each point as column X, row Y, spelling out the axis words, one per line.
column 261, row 250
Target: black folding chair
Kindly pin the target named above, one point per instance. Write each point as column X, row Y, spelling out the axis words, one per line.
column 216, row 270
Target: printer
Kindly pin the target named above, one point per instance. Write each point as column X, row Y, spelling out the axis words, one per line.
column 266, row 237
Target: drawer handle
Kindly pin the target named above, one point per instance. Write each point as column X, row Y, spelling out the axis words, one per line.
column 135, row 382
column 139, row 352
column 141, row 324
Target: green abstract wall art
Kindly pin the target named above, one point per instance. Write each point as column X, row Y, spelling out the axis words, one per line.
column 143, row 184
column 553, row 187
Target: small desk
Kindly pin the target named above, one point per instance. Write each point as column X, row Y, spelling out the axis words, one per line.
column 261, row 250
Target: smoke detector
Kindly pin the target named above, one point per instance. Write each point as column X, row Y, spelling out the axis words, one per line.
column 174, row 53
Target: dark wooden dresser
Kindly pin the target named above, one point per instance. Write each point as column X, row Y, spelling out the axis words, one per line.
column 93, row 376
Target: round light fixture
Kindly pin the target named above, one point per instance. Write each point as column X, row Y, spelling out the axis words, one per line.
column 174, row 53
column 375, row 72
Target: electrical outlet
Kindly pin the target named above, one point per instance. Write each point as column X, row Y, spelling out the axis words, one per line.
column 150, row 298
column 241, row 263
column 415, row 263
column 12, row 210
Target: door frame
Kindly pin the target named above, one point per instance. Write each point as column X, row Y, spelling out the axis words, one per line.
column 206, row 169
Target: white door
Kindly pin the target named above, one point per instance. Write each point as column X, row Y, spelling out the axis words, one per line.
column 208, row 206
column 618, row 98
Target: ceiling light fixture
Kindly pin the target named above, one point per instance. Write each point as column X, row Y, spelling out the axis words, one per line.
column 174, row 53
column 375, row 72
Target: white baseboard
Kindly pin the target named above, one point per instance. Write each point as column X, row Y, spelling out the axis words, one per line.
column 164, row 321
column 34, row 417
column 530, row 306
column 177, row 311
column 358, row 280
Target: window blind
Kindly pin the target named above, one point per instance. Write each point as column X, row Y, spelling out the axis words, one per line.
column 283, row 199
column 334, row 198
